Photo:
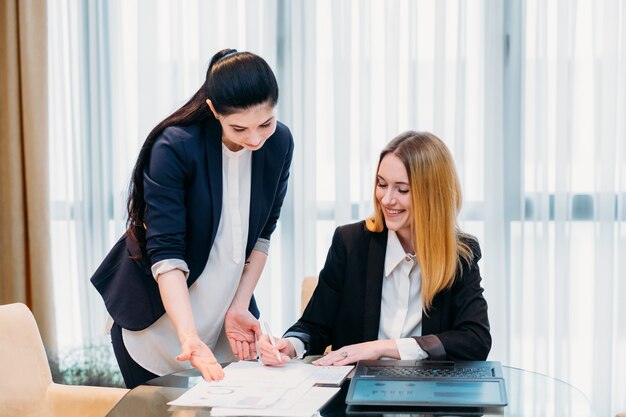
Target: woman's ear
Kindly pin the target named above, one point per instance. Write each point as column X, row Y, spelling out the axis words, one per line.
column 215, row 113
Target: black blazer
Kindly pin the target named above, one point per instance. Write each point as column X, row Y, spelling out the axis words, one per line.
column 345, row 306
column 183, row 194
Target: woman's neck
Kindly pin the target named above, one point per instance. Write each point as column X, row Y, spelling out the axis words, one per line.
column 231, row 145
column 406, row 240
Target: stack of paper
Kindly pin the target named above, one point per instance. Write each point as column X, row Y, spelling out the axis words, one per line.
column 252, row 389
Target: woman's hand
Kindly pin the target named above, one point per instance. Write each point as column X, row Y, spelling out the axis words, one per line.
column 200, row 356
column 270, row 354
column 350, row 354
column 241, row 328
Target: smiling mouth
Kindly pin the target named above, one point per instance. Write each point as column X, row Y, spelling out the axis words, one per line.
column 393, row 212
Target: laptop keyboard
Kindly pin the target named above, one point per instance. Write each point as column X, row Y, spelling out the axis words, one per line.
column 412, row 372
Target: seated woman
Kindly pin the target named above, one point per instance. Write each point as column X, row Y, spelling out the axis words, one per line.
column 404, row 283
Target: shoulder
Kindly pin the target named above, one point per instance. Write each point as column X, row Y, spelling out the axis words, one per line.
column 181, row 136
column 282, row 131
column 281, row 139
column 349, row 241
column 355, row 234
column 468, row 267
column 183, row 141
column 352, row 230
column 472, row 244
column 278, row 150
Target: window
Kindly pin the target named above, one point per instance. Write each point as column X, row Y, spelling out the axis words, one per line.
column 527, row 95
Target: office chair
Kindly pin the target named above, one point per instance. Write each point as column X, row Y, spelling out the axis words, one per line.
column 308, row 286
column 26, row 387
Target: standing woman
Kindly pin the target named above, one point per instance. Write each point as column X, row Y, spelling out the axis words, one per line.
column 205, row 196
column 404, row 283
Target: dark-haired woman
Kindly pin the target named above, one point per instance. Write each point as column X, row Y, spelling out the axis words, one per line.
column 205, row 196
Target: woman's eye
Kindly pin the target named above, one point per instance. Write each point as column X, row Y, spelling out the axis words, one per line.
column 266, row 124
column 238, row 129
column 380, row 185
column 403, row 191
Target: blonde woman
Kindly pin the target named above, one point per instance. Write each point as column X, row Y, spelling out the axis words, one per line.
column 404, row 283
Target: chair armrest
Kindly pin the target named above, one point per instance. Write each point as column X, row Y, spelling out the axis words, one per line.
column 83, row 401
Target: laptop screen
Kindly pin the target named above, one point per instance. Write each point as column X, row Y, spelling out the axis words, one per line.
column 440, row 393
column 427, row 383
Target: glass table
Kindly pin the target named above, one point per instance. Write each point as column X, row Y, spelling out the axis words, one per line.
column 529, row 394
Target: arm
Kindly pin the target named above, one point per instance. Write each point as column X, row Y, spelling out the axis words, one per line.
column 166, row 227
column 318, row 319
column 465, row 335
column 241, row 326
column 175, row 296
column 347, row 355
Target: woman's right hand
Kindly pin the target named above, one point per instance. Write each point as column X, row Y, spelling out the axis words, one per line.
column 268, row 354
column 200, row 356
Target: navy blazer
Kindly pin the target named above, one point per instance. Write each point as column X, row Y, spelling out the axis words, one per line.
column 345, row 306
column 183, row 194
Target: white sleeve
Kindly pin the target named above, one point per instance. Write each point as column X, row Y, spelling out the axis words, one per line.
column 167, row 265
column 409, row 349
column 298, row 346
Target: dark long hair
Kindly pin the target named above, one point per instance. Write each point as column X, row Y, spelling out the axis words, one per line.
column 234, row 81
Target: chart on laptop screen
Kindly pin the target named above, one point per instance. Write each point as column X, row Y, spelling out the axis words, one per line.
column 426, row 392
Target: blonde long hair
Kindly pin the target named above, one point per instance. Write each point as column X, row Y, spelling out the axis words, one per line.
column 435, row 203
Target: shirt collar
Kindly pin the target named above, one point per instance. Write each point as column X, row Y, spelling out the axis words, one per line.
column 394, row 253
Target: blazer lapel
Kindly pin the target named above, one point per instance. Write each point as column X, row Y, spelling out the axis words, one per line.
column 256, row 196
column 374, row 284
column 214, row 157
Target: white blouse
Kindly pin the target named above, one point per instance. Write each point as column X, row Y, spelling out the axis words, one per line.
column 156, row 347
column 400, row 304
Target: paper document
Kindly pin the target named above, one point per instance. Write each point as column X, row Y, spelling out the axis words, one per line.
column 307, row 406
column 234, row 396
column 252, row 389
column 330, row 375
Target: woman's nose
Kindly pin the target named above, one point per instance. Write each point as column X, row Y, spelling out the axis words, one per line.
column 387, row 197
column 255, row 139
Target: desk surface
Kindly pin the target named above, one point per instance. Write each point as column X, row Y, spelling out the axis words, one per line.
column 529, row 394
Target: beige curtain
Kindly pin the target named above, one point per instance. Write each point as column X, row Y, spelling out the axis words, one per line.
column 25, row 273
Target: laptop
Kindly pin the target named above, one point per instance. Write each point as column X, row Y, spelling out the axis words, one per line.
column 447, row 384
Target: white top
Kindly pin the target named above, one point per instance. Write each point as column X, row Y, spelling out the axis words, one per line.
column 400, row 305
column 156, row 347
column 401, row 302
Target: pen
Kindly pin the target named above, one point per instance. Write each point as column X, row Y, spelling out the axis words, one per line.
column 272, row 341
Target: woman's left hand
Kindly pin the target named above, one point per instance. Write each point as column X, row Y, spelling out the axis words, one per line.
column 241, row 328
column 350, row 354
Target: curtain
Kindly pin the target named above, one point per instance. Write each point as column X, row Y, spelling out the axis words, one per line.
column 529, row 97
column 25, row 274
column 371, row 70
column 570, row 241
column 117, row 69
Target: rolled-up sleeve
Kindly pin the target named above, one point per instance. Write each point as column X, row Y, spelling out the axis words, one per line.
column 168, row 265
column 262, row 245
column 409, row 349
